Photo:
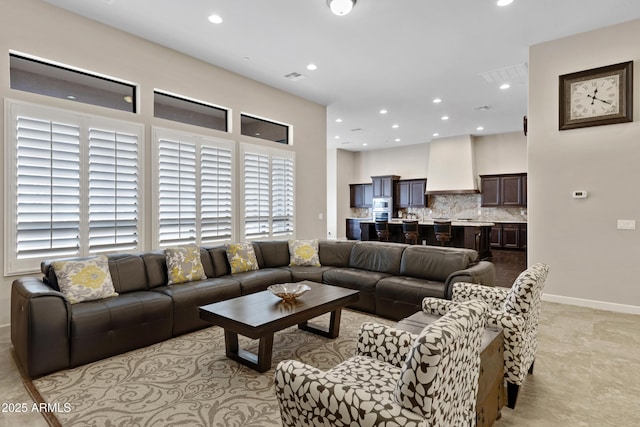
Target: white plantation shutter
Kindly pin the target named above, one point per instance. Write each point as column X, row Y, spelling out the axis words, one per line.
column 72, row 185
column 195, row 199
column 256, row 196
column 216, row 194
column 113, row 191
column 47, row 188
column 282, row 178
column 269, row 192
column 177, row 193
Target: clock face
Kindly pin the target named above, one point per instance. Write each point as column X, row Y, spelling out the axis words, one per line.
column 595, row 97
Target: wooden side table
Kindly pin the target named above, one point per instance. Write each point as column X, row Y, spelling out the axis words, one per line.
column 491, row 389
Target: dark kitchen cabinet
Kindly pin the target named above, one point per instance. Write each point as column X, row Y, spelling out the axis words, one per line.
column 504, row 190
column 361, row 195
column 509, row 235
column 353, row 230
column 383, row 185
column 410, row 193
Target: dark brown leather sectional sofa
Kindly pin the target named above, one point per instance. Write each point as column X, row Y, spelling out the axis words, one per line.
column 49, row 334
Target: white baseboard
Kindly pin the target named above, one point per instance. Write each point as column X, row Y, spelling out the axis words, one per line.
column 600, row 305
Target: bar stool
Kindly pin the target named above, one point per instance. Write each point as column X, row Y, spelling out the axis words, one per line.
column 410, row 231
column 382, row 230
column 442, row 229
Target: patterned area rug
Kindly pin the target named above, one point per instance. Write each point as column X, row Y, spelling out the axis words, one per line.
column 189, row 381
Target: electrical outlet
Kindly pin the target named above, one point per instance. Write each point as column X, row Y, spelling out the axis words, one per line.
column 626, row 224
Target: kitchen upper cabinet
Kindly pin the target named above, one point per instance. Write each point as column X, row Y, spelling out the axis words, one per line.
column 361, row 195
column 410, row 193
column 383, row 185
column 504, row 190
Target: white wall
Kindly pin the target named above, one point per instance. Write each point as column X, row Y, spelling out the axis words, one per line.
column 37, row 28
column 407, row 162
column 501, row 153
column 592, row 262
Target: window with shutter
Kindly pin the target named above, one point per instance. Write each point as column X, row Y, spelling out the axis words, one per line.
column 268, row 186
column 72, row 185
column 195, row 189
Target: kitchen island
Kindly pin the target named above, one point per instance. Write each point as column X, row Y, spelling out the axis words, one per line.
column 464, row 234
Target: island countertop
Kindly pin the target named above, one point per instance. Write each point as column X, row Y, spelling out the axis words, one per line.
column 454, row 222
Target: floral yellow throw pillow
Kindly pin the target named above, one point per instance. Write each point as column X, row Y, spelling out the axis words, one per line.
column 242, row 257
column 184, row 264
column 304, row 253
column 84, row 280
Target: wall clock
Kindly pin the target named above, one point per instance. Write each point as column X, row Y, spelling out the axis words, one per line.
column 600, row 96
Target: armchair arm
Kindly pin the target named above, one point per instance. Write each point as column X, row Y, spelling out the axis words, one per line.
column 310, row 397
column 40, row 319
column 437, row 306
column 384, row 343
column 493, row 296
column 483, row 272
column 518, row 350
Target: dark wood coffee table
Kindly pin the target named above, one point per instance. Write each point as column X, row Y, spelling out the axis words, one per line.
column 260, row 315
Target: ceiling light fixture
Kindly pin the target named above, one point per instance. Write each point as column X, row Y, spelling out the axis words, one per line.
column 436, row 134
column 445, row 117
column 479, row 128
column 338, row 120
column 341, row 7
column 395, row 126
column 504, row 2
column 215, row 19
column 383, row 111
column 312, row 67
column 505, row 86
column 364, row 144
column 437, row 101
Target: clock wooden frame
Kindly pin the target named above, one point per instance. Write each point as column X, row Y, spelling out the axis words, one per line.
column 625, row 113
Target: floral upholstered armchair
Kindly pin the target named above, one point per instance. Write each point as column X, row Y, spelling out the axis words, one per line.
column 515, row 311
column 395, row 379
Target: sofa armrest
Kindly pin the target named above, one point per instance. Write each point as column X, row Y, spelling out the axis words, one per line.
column 384, row 343
column 40, row 322
column 483, row 272
column 516, row 344
column 493, row 296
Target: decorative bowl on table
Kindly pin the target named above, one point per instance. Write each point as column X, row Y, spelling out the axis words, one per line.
column 289, row 291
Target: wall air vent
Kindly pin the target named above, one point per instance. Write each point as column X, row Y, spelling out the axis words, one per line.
column 294, row 77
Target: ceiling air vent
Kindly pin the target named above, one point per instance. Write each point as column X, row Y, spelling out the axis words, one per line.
column 513, row 73
column 483, row 108
column 294, row 77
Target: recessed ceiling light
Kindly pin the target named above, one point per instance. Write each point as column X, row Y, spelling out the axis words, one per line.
column 336, row 137
column 395, row 126
column 312, row 67
column 505, row 86
column 445, row 117
column 436, row 134
column 397, row 139
column 437, row 100
column 364, row 144
column 479, row 128
column 215, row 19
column 504, row 2
column 338, row 120
column 383, row 111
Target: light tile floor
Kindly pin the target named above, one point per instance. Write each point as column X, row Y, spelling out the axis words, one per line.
column 587, row 373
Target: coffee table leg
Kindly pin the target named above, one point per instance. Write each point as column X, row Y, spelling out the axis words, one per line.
column 260, row 362
column 334, row 326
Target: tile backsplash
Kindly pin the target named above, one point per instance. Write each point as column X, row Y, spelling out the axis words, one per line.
column 457, row 206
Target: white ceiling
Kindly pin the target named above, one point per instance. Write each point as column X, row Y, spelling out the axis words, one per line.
column 397, row 55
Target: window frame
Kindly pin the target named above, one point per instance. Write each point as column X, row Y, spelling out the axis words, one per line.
column 269, row 121
column 270, row 152
column 13, row 109
column 199, row 141
column 181, row 98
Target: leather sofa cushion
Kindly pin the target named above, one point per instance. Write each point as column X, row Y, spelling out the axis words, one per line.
column 272, row 254
column 188, row 297
column 361, row 280
column 335, row 253
column 433, row 262
column 259, row 280
column 377, row 256
column 156, row 264
column 207, row 263
column 128, row 273
column 115, row 325
column 398, row 296
column 219, row 260
column 313, row 274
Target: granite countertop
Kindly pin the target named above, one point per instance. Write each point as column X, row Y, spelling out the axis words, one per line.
column 457, row 223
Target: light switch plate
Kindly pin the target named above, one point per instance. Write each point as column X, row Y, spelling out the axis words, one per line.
column 626, row 224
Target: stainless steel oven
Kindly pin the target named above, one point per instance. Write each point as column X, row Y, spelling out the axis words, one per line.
column 382, row 209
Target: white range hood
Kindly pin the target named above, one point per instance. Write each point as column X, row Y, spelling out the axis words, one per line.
column 452, row 166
